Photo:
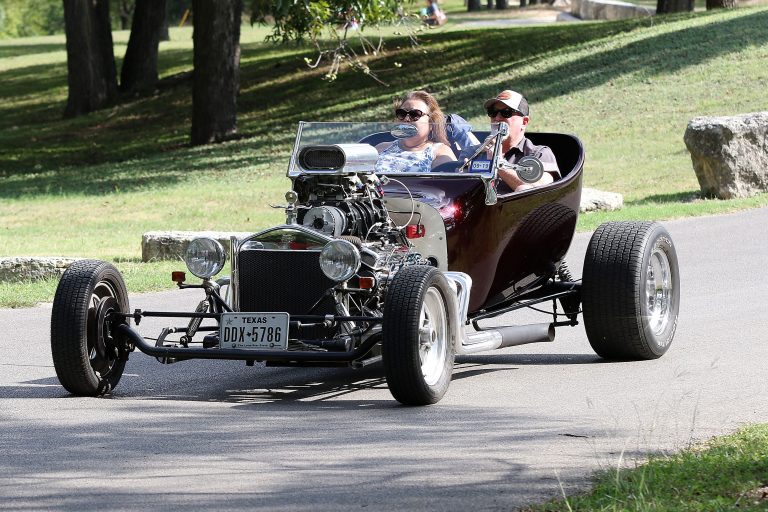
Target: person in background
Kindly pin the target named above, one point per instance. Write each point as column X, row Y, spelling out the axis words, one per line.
column 432, row 15
column 425, row 150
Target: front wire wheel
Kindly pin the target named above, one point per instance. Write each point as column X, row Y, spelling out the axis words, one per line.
column 418, row 338
column 88, row 358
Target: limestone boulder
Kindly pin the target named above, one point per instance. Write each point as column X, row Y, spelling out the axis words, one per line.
column 593, row 200
column 729, row 154
column 608, row 10
column 171, row 245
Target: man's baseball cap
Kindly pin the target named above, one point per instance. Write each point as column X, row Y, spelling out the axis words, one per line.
column 511, row 99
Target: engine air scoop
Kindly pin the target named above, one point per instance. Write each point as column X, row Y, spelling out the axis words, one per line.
column 338, row 158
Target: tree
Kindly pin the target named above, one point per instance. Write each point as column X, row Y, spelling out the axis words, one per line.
column 502, row 4
column 721, row 4
column 671, row 6
column 124, row 10
column 165, row 34
column 474, row 5
column 217, row 48
column 91, row 72
column 139, row 72
column 216, row 79
column 30, row 18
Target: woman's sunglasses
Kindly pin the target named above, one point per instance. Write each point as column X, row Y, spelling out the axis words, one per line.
column 506, row 113
column 409, row 115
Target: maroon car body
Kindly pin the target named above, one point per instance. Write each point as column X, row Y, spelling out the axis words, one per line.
column 506, row 246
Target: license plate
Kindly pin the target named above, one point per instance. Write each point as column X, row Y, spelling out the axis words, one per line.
column 265, row 331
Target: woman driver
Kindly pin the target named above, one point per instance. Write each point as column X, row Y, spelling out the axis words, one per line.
column 425, row 150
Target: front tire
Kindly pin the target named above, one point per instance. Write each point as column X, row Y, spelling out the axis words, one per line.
column 88, row 359
column 418, row 336
column 631, row 290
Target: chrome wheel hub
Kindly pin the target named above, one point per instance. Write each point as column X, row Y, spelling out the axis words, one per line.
column 658, row 290
column 433, row 336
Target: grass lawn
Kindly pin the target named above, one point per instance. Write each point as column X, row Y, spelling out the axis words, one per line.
column 90, row 186
column 728, row 473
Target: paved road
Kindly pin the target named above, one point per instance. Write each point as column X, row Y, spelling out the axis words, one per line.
column 514, row 425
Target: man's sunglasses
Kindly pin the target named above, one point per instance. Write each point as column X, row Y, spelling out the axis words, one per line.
column 409, row 115
column 506, row 113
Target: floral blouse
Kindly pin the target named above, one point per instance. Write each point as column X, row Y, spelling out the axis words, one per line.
column 395, row 159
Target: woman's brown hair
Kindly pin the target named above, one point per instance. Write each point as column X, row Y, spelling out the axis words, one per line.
column 436, row 116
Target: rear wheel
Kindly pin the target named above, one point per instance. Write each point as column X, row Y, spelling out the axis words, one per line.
column 418, row 339
column 631, row 290
column 86, row 355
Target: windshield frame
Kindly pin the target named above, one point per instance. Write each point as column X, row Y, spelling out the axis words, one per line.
column 335, row 133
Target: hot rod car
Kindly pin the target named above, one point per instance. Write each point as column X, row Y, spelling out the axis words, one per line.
column 399, row 268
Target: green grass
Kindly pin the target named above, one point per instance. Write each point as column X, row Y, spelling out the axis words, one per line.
column 728, row 473
column 90, row 186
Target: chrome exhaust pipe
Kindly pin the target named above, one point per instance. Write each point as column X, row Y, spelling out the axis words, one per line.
column 461, row 284
column 489, row 339
column 508, row 336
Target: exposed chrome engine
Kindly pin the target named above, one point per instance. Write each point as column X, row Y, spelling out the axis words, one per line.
column 345, row 206
column 353, row 214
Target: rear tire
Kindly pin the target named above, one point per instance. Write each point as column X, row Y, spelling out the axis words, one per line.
column 631, row 290
column 88, row 359
column 418, row 335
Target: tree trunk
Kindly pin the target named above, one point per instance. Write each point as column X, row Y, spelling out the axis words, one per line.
column 670, row 6
column 489, row 4
column 139, row 71
column 216, row 81
column 523, row 3
column 474, row 5
column 124, row 13
column 165, row 35
column 91, row 72
column 502, row 4
column 721, row 4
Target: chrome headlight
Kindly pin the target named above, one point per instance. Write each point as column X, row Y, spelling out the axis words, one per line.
column 205, row 257
column 339, row 260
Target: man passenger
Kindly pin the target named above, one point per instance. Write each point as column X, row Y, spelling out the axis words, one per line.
column 511, row 108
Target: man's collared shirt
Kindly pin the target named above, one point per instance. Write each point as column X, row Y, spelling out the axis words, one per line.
column 527, row 148
column 523, row 148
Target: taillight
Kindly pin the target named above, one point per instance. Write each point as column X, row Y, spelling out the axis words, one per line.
column 451, row 211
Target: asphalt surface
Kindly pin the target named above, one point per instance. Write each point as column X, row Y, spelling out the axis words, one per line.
column 515, row 426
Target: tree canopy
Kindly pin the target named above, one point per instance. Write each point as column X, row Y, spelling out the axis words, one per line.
column 30, row 18
column 299, row 20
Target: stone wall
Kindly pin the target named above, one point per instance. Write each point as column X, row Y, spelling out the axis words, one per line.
column 171, row 245
column 29, row 268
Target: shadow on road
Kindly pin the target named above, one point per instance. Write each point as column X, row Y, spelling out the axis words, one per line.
column 225, row 381
column 532, row 359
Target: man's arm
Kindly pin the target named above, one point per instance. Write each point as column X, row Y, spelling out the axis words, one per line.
column 551, row 172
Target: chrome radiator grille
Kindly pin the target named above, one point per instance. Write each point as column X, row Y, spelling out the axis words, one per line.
column 282, row 281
